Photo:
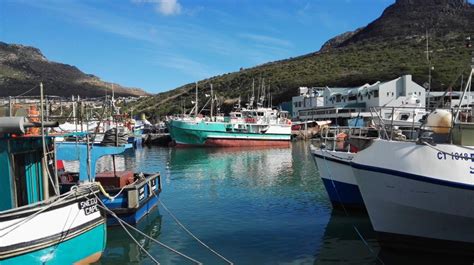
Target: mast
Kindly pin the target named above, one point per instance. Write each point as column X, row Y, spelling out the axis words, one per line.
column 253, row 94
column 469, row 80
column 196, row 106
column 428, row 59
column 212, row 102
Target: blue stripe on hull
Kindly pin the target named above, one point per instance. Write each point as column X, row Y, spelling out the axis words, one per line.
column 67, row 252
column 343, row 193
column 136, row 216
column 421, row 178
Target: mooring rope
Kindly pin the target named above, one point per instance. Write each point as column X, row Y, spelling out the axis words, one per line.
column 361, row 237
column 123, row 224
column 110, row 197
column 191, row 234
column 126, row 230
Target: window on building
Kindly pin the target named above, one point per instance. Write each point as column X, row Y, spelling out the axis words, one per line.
column 388, row 94
column 376, row 93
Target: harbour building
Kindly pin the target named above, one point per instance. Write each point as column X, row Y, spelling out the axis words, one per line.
column 340, row 104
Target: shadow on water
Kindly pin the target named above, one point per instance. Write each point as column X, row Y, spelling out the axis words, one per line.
column 122, row 250
column 341, row 244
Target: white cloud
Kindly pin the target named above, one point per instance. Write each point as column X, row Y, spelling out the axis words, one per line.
column 168, row 7
column 164, row 7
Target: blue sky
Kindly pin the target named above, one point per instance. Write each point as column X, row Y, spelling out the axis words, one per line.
column 159, row 45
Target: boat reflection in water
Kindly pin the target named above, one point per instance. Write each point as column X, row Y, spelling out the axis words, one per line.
column 122, row 250
column 221, row 163
column 342, row 244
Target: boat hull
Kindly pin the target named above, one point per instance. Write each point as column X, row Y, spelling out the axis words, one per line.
column 185, row 133
column 338, row 178
column 408, row 199
column 135, row 201
column 71, row 232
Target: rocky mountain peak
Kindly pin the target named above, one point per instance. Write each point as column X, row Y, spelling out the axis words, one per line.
column 443, row 19
column 443, row 3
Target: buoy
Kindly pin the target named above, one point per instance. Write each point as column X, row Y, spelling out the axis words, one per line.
column 440, row 121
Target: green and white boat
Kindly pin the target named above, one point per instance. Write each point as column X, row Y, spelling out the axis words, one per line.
column 249, row 127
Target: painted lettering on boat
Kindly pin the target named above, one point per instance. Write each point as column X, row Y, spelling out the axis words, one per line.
column 141, row 193
column 455, row 156
column 89, row 206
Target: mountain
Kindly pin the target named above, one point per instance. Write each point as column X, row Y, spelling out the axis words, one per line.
column 392, row 45
column 23, row 68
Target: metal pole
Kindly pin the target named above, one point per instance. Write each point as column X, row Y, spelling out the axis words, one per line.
column 196, row 107
column 212, row 102
column 10, row 107
column 43, row 141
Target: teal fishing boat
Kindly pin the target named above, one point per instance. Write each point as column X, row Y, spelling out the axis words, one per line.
column 254, row 127
column 251, row 126
column 38, row 224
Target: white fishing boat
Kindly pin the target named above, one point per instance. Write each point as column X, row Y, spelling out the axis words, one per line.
column 424, row 189
column 333, row 157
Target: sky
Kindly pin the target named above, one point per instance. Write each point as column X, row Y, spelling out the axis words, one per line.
column 158, row 45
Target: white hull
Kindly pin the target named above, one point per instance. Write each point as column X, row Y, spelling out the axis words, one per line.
column 334, row 165
column 338, row 178
column 415, row 190
column 25, row 229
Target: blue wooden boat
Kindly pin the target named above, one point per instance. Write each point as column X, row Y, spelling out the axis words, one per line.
column 36, row 224
column 129, row 195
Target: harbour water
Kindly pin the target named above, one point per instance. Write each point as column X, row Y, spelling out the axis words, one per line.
column 253, row 206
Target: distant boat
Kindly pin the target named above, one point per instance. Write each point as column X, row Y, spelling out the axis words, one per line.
column 252, row 127
column 37, row 224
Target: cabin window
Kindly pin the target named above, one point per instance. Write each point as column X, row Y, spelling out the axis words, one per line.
column 376, row 93
column 388, row 94
column 404, row 116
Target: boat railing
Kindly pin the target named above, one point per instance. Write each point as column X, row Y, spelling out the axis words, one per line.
column 335, row 138
column 441, row 127
column 398, row 123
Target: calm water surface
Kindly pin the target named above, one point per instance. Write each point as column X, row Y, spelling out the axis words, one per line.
column 254, row 206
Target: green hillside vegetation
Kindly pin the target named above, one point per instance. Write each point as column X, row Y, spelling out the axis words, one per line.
column 381, row 51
